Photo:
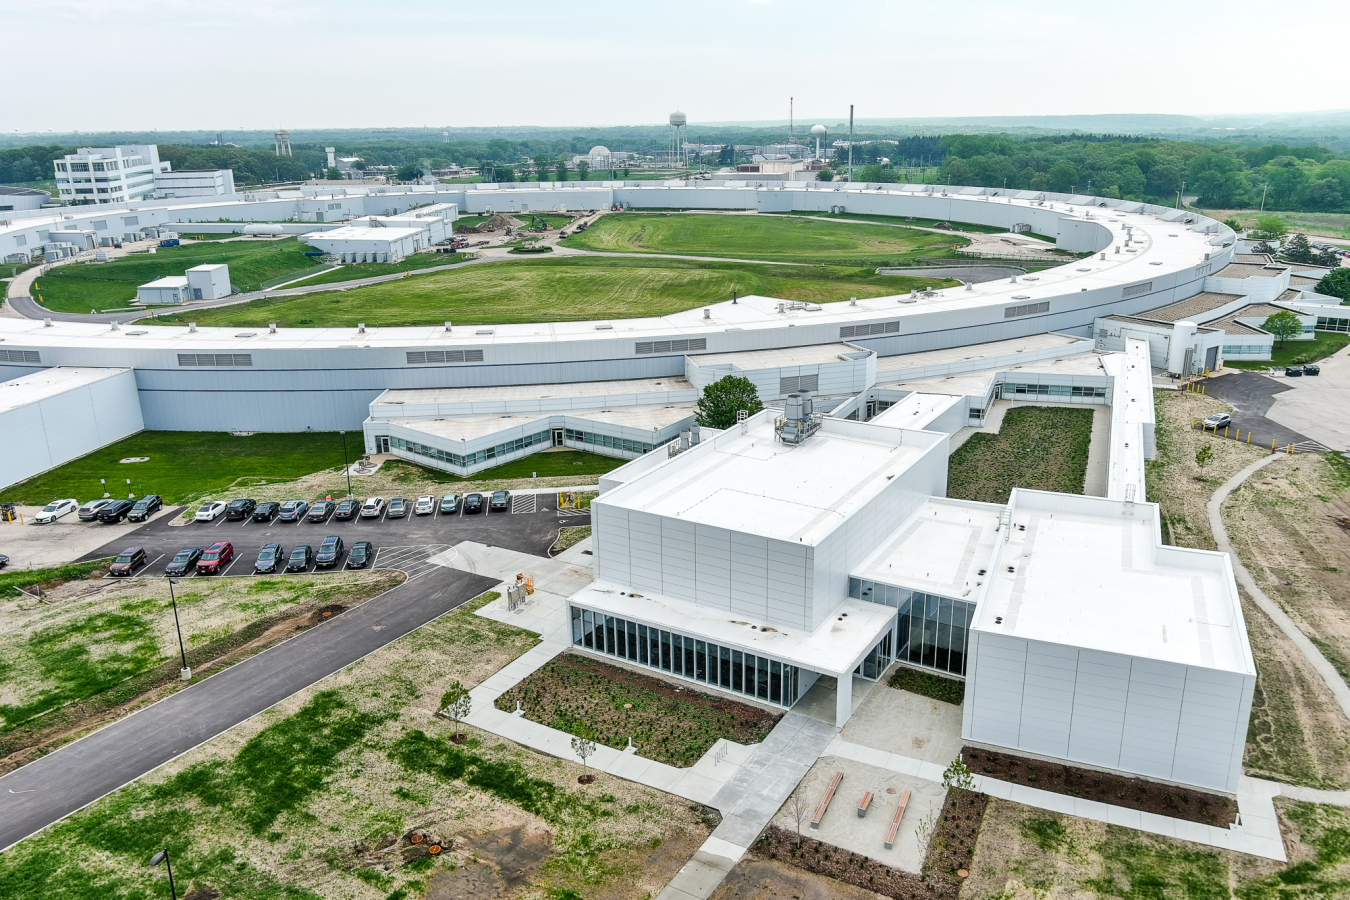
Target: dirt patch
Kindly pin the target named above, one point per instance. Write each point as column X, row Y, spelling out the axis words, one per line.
column 1104, row 787
column 760, row 879
column 950, row 850
column 669, row 723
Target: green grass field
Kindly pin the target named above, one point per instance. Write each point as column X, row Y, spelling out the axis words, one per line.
column 80, row 287
column 352, row 271
column 1294, row 353
column 786, row 238
column 558, row 290
column 185, row 464
column 1044, row 448
column 895, row 220
column 543, row 465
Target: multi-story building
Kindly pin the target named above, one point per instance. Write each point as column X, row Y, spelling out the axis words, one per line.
column 109, row 174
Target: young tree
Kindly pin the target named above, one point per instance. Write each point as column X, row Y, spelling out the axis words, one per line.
column 456, row 703
column 1272, row 227
column 332, row 174
column 1203, row 456
column 798, row 808
column 720, row 401
column 825, row 175
column 1335, row 283
column 583, row 745
column 583, row 170
column 957, row 777
column 561, row 169
column 1284, row 325
column 1298, row 250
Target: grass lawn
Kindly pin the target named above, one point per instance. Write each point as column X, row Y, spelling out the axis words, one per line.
column 788, row 238
column 11, row 581
column 187, row 464
column 1039, row 447
column 80, row 287
column 948, row 690
column 558, row 290
column 673, row 724
column 352, row 271
column 1293, row 353
column 471, row 221
column 897, row 220
column 545, row 465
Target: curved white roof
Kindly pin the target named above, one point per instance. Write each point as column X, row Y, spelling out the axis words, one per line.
column 599, row 150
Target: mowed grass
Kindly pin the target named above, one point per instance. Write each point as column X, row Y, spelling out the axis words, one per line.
column 1293, row 353
column 759, row 238
column 558, row 290
column 185, row 464
column 353, row 271
column 543, row 465
column 897, row 220
column 80, row 287
column 1041, row 448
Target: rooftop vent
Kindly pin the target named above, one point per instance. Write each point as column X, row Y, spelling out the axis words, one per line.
column 799, row 420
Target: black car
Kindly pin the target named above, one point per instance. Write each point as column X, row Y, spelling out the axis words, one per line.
column 330, row 553
column 473, row 503
column 300, row 558
column 115, row 512
column 500, row 500
column 269, row 557
column 292, row 511
column 1293, row 371
column 265, row 511
column 145, row 507
column 4, row 560
column 183, row 562
column 320, row 511
column 346, row 509
column 361, row 555
column 240, row 509
column 1311, row 369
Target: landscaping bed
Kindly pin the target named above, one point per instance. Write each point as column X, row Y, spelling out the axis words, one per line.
column 1043, row 448
column 950, row 850
column 1104, row 787
column 948, row 690
column 669, row 723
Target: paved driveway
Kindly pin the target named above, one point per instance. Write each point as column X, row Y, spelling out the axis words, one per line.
column 1252, row 396
column 1319, row 407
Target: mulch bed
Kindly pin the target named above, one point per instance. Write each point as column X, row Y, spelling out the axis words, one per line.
column 1104, row 787
column 951, row 849
column 670, row 723
column 948, row 690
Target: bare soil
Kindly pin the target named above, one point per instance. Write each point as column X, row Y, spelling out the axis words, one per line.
column 1104, row 787
column 767, row 879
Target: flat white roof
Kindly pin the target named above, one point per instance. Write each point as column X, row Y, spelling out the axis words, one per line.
column 916, row 410
column 812, row 354
column 168, row 281
column 974, row 352
column 535, row 391
column 941, row 549
column 977, row 383
column 834, row 647
column 752, row 483
column 48, row 383
column 465, row 428
column 361, row 233
column 1089, row 573
column 208, row 267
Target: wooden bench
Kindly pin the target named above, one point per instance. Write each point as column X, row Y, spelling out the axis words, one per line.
column 863, row 804
column 825, row 801
column 895, row 821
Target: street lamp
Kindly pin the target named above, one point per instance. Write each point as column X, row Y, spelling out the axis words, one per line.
column 163, row 857
column 185, row 672
column 346, row 464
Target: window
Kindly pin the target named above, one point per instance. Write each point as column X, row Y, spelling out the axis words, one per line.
column 79, row 167
column 850, row 331
column 27, row 357
column 131, row 220
column 679, row 346
column 1135, row 290
column 1327, row 323
column 790, row 383
column 1026, row 309
column 1016, row 389
column 424, row 357
column 100, row 224
column 98, row 167
column 61, row 167
column 932, row 631
column 472, row 459
column 215, row 359
column 20, row 240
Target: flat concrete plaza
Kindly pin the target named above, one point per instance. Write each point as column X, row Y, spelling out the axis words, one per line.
column 908, row 724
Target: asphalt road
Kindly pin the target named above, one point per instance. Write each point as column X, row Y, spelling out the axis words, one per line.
column 1251, row 396
column 52, row 787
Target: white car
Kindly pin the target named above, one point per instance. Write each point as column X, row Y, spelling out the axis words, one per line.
column 373, row 507
column 425, row 505
column 55, row 510
column 210, row 509
column 89, row 512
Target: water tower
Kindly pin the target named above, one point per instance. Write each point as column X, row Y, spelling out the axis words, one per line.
column 679, row 149
column 283, row 139
column 818, row 132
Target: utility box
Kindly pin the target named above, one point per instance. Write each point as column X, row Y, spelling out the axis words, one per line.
column 209, row 282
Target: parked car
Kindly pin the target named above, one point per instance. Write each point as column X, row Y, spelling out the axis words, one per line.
column 330, row 553
column 216, row 558
column 240, row 509
column 346, row 509
column 425, row 505
column 398, row 507
column 145, row 507
column 269, row 557
column 1293, row 371
column 362, row 554
column 127, row 562
column 1311, row 369
column 292, row 511
column 300, row 558
column 115, row 512
column 500, row 500
column 4, row 560
column 1216, row 421
column 473, row 503
column 320, row 511
column 184, row 561
column 449, row 504
column 210, row 510
column 265, row 511
column 89, row 512
column 55, row 510
column 372, row 508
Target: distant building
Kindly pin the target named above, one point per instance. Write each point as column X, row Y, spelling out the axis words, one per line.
column 387, row 238
column 130, row 172
column 14, row 198
column 163, row 291
column 195, row 183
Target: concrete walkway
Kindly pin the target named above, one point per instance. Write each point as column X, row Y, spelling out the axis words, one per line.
column 1339, row 689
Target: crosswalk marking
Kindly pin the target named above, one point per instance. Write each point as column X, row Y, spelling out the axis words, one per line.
column 414, row 560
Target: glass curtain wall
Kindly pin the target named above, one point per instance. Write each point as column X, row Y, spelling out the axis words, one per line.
column 932, row 631
column 765, row 679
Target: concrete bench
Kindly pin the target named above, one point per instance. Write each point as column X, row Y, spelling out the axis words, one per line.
column 863, row 804
column 895, row 820
column 825, row 801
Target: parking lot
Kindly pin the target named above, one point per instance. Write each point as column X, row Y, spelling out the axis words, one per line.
column 30, row 546
column 407, row 544
column 1253, row 395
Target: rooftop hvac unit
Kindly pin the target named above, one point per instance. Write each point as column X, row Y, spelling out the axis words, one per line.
column 799, row 420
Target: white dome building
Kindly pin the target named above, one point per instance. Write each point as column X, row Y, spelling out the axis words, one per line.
column 599, row 151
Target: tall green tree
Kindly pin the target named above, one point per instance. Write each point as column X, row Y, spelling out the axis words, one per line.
column 583, row 170
column 1284, row 325
column 408, row 172
column 561, row 169
column 721, row 400
column 1335, row 283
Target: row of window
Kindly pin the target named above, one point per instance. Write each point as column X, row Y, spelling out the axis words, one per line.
column 1011, row 389
column 1326, row 323
column 1026, row 309
column 1246, row 349
column 731, row 670
column 932, row 631
column 605, row 440
column 473, row 459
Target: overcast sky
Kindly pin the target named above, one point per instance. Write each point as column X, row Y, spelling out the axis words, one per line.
column 188, row 64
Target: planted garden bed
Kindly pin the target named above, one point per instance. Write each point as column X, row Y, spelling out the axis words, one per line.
column 1044, row 448
column 670, row 723
column 1104, row 787
column 948, row 690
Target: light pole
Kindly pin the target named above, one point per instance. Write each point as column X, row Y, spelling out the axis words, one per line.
column 185, row 672
column 1265, row 187
column 346, row 464
column 163, row 857
column 1179, row 193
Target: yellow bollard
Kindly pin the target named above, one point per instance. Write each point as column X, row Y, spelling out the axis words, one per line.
column 1202, row 388
column 1272, row 445
column 1249, row 437
column 1225, row 431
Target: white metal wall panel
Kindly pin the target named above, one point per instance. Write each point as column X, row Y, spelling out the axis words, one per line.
column 713, row 574
column 644, row 551
column 1212, row 722
column 679, row 557
column 611, row 529
column 1100, row 694
column 994, row 685
column 1152, row 715
column 749, row 574
column 1047, row 698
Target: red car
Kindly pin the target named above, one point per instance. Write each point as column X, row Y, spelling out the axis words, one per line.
column 216, row 558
